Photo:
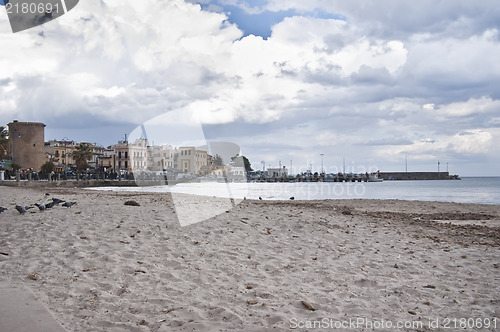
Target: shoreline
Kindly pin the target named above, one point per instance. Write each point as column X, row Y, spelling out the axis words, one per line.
column 102, row 265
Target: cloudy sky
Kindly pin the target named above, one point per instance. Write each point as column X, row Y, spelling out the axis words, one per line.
column 369, row 81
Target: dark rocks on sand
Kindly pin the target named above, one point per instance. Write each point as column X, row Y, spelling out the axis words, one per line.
column 132, row 203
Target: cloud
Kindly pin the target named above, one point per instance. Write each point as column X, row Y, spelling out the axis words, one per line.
column 107, row 56
column 390, row 141
column 480, row 106
column 396, row 19
column 475, row 141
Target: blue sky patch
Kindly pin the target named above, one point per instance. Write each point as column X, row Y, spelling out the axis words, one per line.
column 260, row 22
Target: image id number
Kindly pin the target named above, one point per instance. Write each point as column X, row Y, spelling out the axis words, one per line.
column 31, row 8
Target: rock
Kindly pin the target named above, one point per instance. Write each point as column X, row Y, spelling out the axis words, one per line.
column 33, row 276
column 308, row 306
column 132, row 203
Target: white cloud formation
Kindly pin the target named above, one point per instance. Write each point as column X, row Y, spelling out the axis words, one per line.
column 483, row 105
column 472, row 141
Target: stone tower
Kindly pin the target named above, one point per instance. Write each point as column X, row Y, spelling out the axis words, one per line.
column 27, row 144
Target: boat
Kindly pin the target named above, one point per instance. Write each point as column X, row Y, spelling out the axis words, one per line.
column 374, row 177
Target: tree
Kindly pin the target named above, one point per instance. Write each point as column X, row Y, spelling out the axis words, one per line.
column 4, row 142
column 48, row 167
column 82, row 154
column 242, row 161
column 217, row 160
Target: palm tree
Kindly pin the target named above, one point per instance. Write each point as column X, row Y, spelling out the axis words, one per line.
column 82, row 154
column 4, row 142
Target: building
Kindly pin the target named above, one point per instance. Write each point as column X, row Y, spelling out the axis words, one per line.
column 27, row 144
column 130, row 157
column 238, row 171
column 60, row 152
column 190, row 160
column 97, row 155
column 161, row 157
column 221, row 170
column 277, row 172
column 106, row 161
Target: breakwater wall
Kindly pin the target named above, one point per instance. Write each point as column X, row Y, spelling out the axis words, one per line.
column 418, row 176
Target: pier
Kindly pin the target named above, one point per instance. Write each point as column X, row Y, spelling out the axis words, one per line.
column 340, row 177
column 418, row 176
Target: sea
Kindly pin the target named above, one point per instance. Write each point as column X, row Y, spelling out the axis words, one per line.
column 477, row 190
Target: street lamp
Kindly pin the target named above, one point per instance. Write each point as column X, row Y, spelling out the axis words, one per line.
column 65, row 163
column 322, row 170
column 100, row 168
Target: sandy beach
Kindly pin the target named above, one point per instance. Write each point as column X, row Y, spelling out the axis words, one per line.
column 105, row 266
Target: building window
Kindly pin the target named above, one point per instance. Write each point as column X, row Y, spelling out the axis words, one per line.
column 126, row 162
column 119, row 155
column 126, row 155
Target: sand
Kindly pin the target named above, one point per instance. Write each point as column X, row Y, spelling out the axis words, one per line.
column 105, row 266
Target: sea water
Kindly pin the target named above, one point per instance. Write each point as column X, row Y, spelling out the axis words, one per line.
column 479, row 190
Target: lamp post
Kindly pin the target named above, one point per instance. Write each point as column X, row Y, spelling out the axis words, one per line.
column 100, row 158
column 322, row 170
column 65, row 160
